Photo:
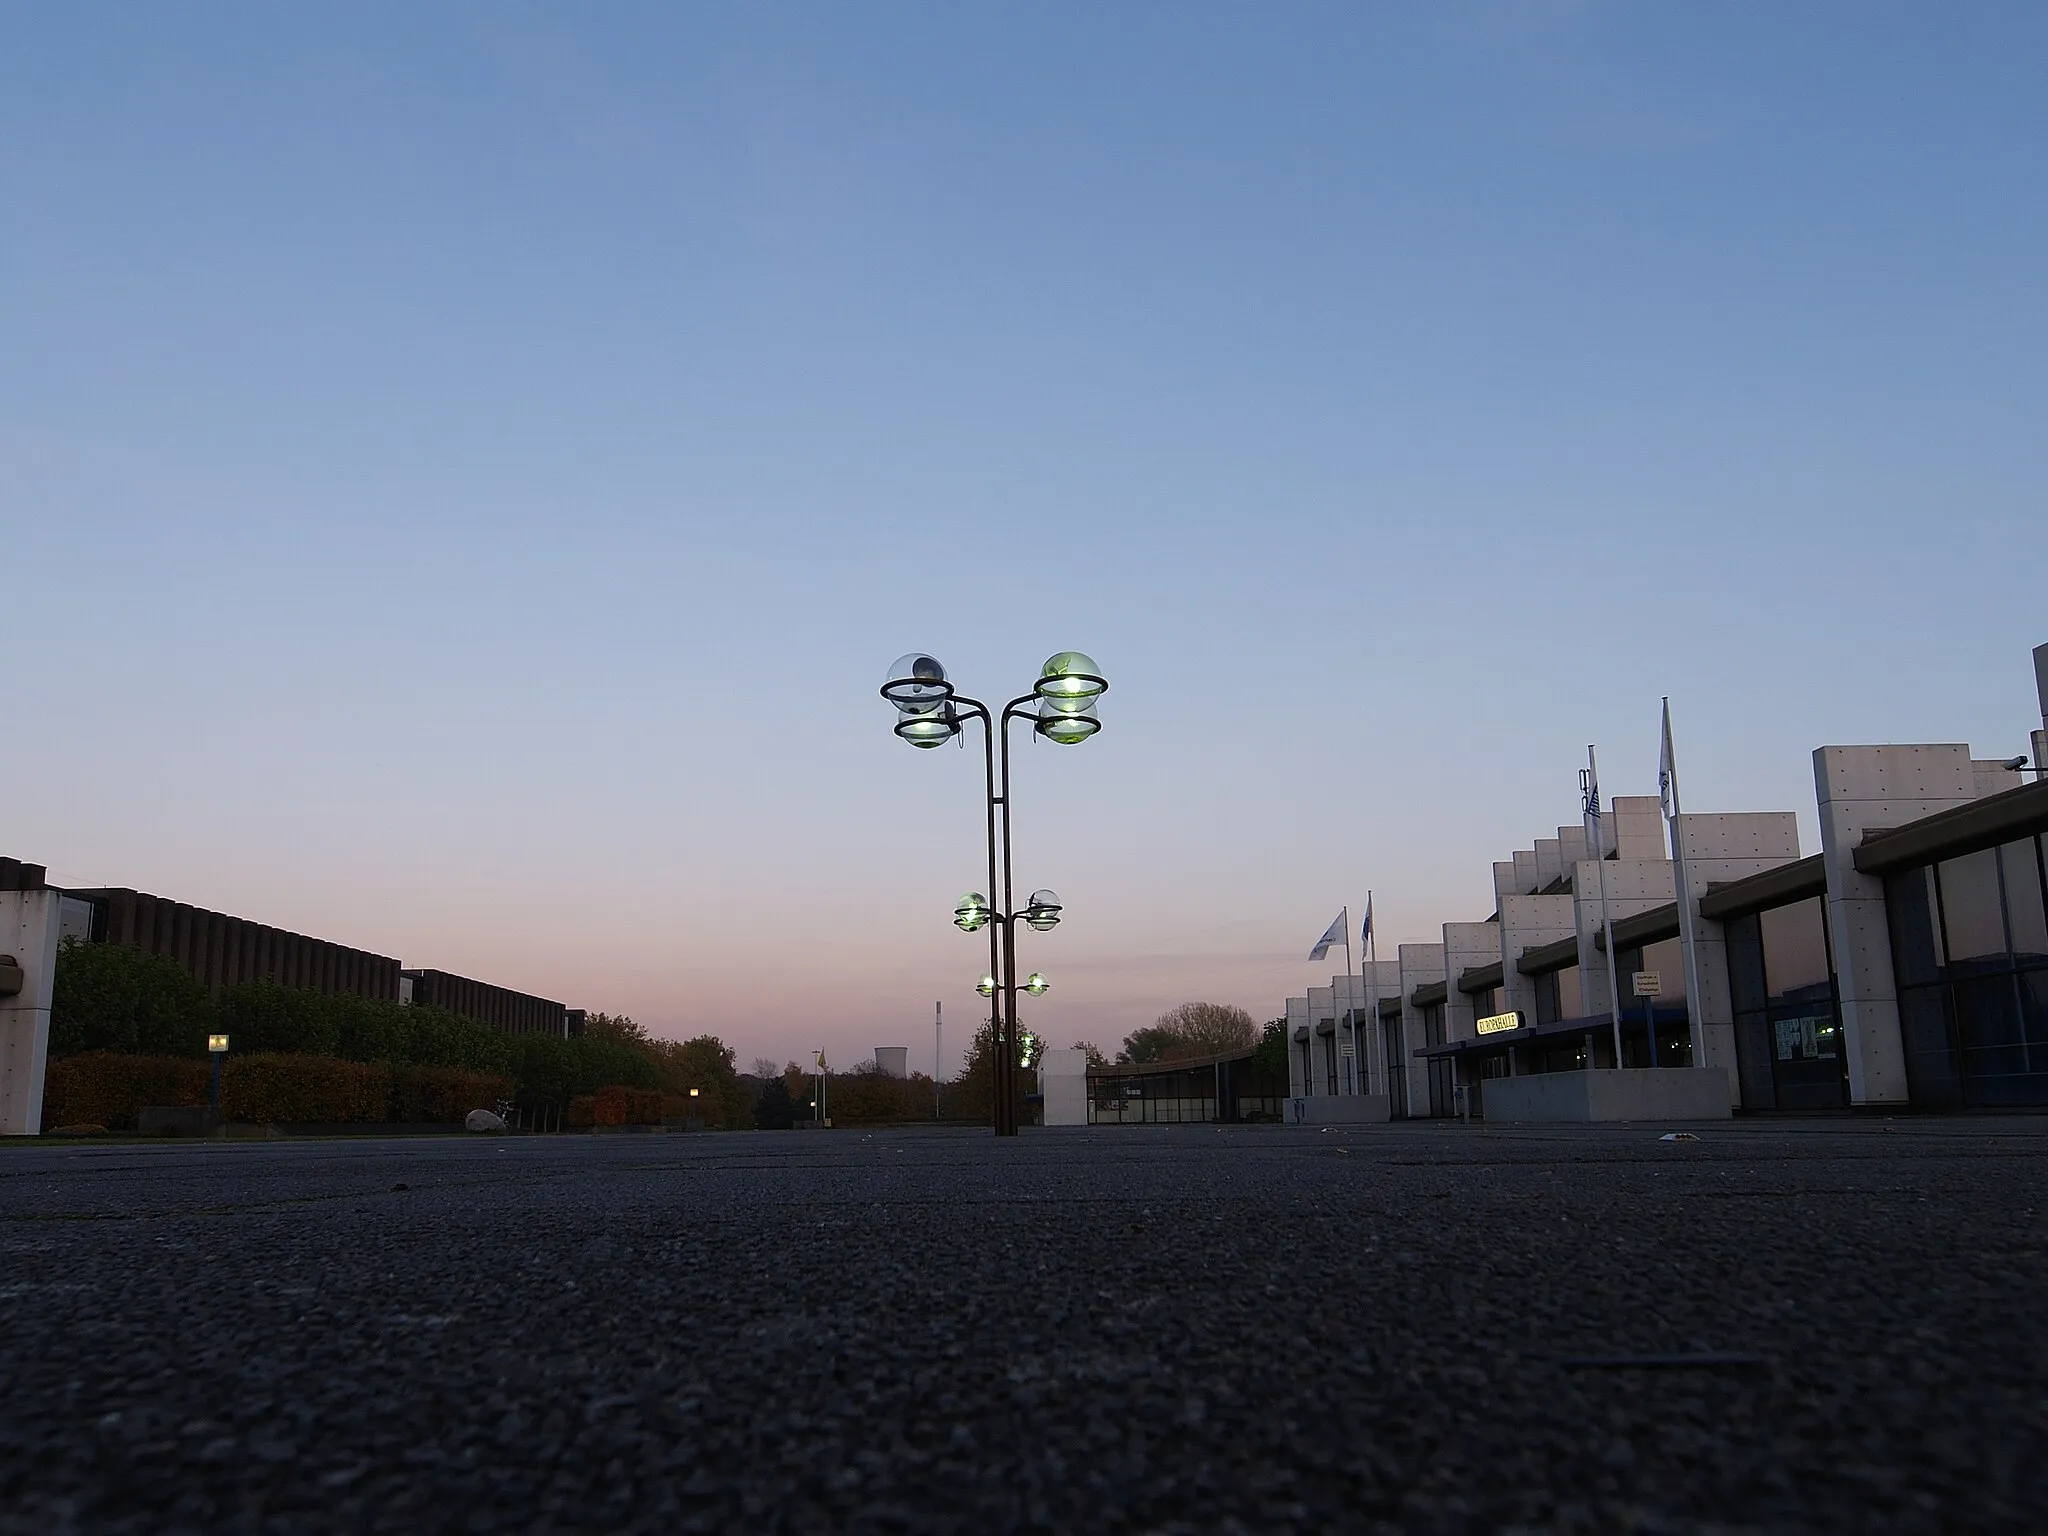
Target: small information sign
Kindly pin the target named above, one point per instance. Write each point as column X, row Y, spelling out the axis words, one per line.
column 216, row 1043
column 1649, row 983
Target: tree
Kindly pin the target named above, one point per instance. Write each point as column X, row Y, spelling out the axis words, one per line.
column 616, row 1027
column 763, row 1067
column 1093, row 1052
column 774, row 1110
column 1269, row 1057
column 1192, row 1029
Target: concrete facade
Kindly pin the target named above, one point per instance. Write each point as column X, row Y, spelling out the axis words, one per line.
column 1718, row 850
column 1638, row 1093
column 1860, row 790
column 30, row 922
column 1063, row 1079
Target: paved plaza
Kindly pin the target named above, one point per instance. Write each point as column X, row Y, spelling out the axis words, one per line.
column 1833, row 1324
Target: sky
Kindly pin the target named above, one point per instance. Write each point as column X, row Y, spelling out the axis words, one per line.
column 466, row 468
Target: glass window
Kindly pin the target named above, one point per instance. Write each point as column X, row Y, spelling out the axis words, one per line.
column 1970, row 918
column 1994, row 1050
column 1916, row 936
column 1570, row 1004
column 1931, row 1066
column 1746, row 963
column 1795, row 951
column 1667, row 958
column 2018, row 865
column 1483, row 1002
column 1433, row 1024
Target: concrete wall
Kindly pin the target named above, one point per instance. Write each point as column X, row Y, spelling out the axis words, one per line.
column 1466, row 945
column 1063, row 1078
column 1717, row 849
column 1375, row 980
column 29, row 925
column 1862, row 789
column 1418, row 965
column 1298, row 1020
column 1525, row 923
column 1640, row 1093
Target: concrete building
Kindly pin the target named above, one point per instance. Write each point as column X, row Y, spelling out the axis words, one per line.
column 220, row 950
column 1904, row 964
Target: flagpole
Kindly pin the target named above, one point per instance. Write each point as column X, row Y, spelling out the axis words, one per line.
column 1606, row 918
column 1367, row 944
column 1695, row 1005
column 1350, row 1004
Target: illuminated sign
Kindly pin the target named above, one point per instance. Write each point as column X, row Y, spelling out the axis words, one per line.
column 216, row 1043
column 1499, row 1023
column 1648, row 983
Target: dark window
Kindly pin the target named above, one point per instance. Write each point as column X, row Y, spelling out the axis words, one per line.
column 1788, row 1036
column 1970, row 952
column 1916, row 927
column 1970, row 918
column 2019, row 869
column 1433, row 1024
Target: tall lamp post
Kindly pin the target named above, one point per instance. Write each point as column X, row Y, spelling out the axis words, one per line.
column 931, row 712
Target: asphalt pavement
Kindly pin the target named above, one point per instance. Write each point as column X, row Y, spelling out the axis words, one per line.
column 1826, row 1325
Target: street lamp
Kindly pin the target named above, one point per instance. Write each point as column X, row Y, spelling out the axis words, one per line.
column 1061, row 707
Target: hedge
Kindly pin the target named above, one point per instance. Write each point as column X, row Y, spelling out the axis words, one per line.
column 102, row 1088
column 616, row 1105
column 297, row 1089
column 105, row 1088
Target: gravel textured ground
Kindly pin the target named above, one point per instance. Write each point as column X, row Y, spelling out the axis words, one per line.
column 1421, row 1328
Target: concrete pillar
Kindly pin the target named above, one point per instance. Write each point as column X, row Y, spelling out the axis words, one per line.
column 1527, row 922
column 1863, row 789
column 1416, row 965
column 29, row 924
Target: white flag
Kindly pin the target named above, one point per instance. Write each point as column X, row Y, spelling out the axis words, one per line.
column 1667, row 768
column 1334, row 934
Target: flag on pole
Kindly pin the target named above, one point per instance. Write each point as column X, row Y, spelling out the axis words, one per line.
column 1667, row 769
column 1334, row 934
column 1589, row 805
column 1365, row 933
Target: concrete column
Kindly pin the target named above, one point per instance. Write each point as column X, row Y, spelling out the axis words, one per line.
column 1527, row 922
column 1466, row 946
column 1864, row 789
column 29, row 924
column 1416, row 965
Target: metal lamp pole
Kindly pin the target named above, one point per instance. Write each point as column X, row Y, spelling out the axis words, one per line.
column 1061, row 707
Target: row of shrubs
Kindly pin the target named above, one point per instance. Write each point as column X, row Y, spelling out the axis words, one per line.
column 111, row 998
column 107, row 1089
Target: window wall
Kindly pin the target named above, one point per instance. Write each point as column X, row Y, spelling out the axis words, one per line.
column 1788, row 1028
column 1557, row 996
column 1666, row 960
column 1970, row 953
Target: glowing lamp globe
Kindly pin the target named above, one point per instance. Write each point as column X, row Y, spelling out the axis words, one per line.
column 1071, row 675
column 1066, row 721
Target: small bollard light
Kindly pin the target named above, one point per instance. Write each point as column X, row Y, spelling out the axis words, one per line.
column 217, row 1047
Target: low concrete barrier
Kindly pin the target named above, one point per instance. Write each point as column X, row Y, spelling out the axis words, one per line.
column 1336, row 1109
column 1634, row 1093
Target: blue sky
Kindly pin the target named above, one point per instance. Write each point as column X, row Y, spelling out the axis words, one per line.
column 464, row 469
